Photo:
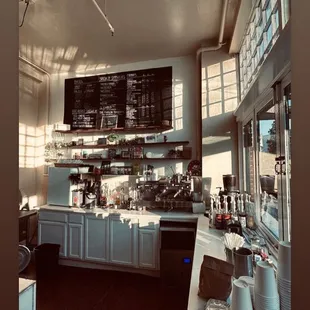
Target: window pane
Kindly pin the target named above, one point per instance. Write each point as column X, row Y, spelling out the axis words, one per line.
column 269, row 34
column 268, row 11
column 267, row 148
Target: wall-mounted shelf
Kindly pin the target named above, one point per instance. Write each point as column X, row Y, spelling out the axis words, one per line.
column 141, row 130
column 113, row 146
column 88, row 160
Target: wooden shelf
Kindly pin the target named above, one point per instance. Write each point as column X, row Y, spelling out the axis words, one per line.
column 112, row 175
column 113, row 146
column 144, row 130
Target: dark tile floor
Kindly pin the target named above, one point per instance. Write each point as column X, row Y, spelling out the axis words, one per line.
column 87, row 289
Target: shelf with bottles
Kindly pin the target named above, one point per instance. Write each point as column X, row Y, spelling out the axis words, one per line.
column 122, row 130
column 115, row 147
column 119, row 146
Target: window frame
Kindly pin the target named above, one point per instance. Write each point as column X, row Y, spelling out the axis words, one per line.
column 284, row 216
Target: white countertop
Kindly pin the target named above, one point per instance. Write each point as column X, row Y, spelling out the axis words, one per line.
column 24, row 284
column 155, row 213
column 208, row 241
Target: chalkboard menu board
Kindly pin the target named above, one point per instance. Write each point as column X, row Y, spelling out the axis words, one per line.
column 120, row 100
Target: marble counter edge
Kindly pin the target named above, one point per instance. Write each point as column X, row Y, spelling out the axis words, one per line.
column 208, row 242
column 147, row 213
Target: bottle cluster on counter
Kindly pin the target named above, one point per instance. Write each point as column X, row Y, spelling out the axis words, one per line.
column 232, row 213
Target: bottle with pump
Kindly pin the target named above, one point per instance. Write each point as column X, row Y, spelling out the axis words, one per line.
column 234, row 215
column 241, row 212
column 218, row 218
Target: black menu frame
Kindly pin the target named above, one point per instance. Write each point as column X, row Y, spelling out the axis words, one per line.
column 131, row 99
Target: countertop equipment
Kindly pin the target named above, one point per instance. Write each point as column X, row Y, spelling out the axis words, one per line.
column 230, row 188
column 180, row 187
column 176, row 255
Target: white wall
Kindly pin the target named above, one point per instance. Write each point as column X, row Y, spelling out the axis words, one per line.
column 32, row 123
column 183, row 99
column 219, row 127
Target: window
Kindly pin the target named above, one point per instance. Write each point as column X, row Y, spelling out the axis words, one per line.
column 260, row 36
column 267, row 153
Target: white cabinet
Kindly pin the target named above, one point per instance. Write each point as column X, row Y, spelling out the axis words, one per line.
column 27, row 296
column 124, row 240
column 53, row 232
column 75, row 241
column 96, row 238
column 148, row 248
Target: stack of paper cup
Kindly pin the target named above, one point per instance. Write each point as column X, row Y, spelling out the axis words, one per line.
column 265, row 288
column 241, row 296
column 250, row 283
column 284, row 274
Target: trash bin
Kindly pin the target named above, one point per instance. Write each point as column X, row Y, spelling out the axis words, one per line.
column 46, row 259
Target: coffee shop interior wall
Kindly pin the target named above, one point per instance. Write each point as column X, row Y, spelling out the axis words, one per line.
column 219, row 129
column 33, row 116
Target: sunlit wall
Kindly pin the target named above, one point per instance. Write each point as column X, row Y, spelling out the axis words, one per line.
column 219, row 128
column 32, row 123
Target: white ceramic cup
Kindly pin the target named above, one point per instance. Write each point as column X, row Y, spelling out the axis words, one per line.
column 241, row 297
column 284, row 261
column 250, row 282
column 265, row 280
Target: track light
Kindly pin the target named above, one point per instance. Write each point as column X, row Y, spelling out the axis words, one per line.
column 104, row 16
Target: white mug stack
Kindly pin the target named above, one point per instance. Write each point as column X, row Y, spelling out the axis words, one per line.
column 284, row 274
column 266, row 296
column 241, row 296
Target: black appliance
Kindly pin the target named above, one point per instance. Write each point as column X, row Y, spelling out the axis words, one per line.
column 233, row 226
column 230, row 182
column 176, row 255
column 230, row 188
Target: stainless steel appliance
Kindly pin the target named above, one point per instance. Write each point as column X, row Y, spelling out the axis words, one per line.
column 176, row 255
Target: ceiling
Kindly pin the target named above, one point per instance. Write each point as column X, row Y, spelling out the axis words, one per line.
column 65, row 35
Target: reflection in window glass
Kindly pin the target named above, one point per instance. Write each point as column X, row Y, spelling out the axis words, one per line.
column 288, row 143
column 267, row 149
column 248, row 151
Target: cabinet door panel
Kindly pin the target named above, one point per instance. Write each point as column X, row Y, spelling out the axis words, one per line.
column 147, row 248
column 96, row 239
column 53, row 232
column 75, row 241
column 123, row 241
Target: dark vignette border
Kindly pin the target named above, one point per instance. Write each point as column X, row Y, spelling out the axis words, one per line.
column 9, row 154
column 300, row 152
